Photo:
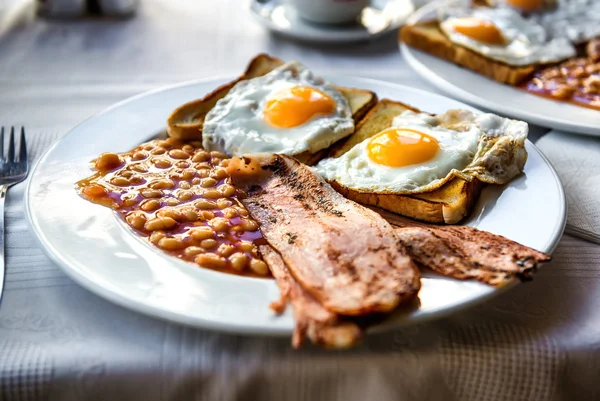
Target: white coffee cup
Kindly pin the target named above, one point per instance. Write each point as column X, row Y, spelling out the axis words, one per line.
column 329, row 11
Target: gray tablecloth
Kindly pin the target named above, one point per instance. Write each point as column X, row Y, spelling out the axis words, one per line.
column 540, row 341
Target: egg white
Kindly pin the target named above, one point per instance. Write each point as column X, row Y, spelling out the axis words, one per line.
column 527, row 41
column 576, row 20
column 236, row 124
column 460, row 135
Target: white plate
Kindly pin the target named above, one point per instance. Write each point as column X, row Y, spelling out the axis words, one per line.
column 380, row 17
column 92, row 245
column 486, row 93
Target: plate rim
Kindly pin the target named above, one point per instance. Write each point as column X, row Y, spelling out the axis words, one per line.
column 409, row 55
column 232, row 328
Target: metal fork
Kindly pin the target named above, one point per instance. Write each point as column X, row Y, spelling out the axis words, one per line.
column 13, row 169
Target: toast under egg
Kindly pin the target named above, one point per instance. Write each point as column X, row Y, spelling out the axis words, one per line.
column 187, row 121
column 448, row 204
column 427, row 36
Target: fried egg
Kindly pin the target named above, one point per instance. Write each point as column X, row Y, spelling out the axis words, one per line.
column 576, row 20
column 287, row 111
column 504, row 35
column 420, row 152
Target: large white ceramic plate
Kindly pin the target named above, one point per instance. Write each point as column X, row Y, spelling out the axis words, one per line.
column 92, row 245
column 488, row 94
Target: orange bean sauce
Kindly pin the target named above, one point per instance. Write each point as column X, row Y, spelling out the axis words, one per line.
column 179, row 197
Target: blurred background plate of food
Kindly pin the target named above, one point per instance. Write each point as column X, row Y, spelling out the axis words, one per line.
column 513, row 61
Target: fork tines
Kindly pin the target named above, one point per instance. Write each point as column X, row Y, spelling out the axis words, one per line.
column 11, row 147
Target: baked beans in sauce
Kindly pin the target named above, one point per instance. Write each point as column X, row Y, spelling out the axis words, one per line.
column 179, row 197
column 575, row 81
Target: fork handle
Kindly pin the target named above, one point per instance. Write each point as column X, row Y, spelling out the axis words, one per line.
column 3, row 189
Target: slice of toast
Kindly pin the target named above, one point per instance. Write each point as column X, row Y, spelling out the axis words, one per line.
column 448, row 204
column 186, row 122
column 428, row 37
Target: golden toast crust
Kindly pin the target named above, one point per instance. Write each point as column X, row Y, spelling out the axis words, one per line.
column 427, row 36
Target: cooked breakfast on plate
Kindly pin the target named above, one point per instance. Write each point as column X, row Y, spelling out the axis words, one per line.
column 538, row 46
column 232, row 189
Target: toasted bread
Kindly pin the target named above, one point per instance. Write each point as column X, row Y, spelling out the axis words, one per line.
column 448, row 204
column 428, row 37
column 186, row 122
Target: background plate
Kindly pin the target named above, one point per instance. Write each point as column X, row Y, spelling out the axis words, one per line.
column 91, row 244
column 488, row 94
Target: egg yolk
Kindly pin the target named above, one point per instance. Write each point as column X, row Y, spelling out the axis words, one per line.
column 399, row 147
column 527, row 5
column 479, row 30
column 295, row 106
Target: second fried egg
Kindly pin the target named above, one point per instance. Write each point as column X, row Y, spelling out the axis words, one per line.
column 419, row 153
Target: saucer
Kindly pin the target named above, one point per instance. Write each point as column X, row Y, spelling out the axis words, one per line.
column 380, row 17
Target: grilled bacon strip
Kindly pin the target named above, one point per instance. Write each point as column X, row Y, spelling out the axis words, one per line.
column 343, row 254
column 312, row 320
column 467, row 253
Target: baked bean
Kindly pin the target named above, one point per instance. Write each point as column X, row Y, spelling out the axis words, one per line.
column 182, row 164
column 140, row 155
column 136, row 220
column 139, row 167
column 125, row 173
column 160, row 223
column 184, row 185
column 219, row 173
column 211, row 261
column 249, row 225
column 259, row 267
column 208, row 182
column 224, row 163
column 247, row 246
column 150, row 205
column 219, row 224
column 193, row 251
column 148, row 147
column 151, row 193
column 171, row 213
column 204, row 204
column 206, row 215
column 238, row 261
column 223, row 203
column 157, row 236
column 178, row 154
column 225, row 250
column 158, row 151
column 188, row 174
column 171, row 243
column 202, row 165
column 215, row 161
column 128, row 202
column 171, row 202
column 188, row 148
column 226, row 190
column 165, row 183
column 161, row 162
column 120, row 181
column 196, row 144
column 216, row 153
column 229, row 212
column 211, row 193
column 241, row 211
column 200, row 156
column 185, row 195
column 190, row 215
column 208, row 243
column 108, row 161
column 202, row 233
